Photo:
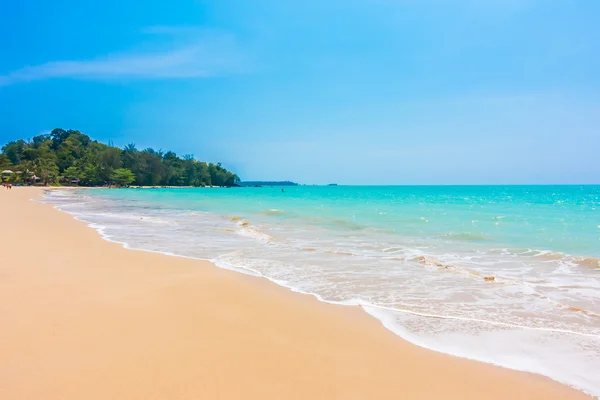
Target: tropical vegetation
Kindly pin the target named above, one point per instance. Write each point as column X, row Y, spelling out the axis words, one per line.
column 71, row 157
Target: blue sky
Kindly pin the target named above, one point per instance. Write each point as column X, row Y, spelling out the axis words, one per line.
column 354, row 91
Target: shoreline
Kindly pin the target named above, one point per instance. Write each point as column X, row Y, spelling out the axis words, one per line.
column 364, row 359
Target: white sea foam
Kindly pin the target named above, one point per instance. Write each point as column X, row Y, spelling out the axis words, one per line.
column 514, row 347
column 539, row 313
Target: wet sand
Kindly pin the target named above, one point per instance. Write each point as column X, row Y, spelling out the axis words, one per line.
column 83, row 318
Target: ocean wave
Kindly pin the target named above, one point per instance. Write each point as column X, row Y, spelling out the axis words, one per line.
column 592, row 263
column 133, row 217
column 587, row 262
column 432, row 261
column 316, row 255
column 337, row 223
column 549, row 256
column 252, row 231
column 272, row 211
column 466, row 236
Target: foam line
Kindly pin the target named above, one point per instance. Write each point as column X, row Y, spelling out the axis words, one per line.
column 379, row 312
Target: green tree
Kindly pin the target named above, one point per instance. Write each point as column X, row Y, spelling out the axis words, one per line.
column 123, row 176
column 39, row 153
column 110, row 160
column 4, row 162
column 69, row 151
column 72, row 173
column 58, row 136
column 14, row 151
column 154, row 169
column 69, row 154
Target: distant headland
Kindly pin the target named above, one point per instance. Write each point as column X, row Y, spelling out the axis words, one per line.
column 266, row 183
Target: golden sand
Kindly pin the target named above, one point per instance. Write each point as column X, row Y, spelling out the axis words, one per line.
column 83, row 318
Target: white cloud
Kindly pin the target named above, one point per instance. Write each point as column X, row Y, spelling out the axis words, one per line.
column 195, row 53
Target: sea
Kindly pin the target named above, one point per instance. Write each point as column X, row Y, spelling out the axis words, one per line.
column 508, row 275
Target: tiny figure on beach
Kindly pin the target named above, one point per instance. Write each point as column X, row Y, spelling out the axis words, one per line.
column 282, row 190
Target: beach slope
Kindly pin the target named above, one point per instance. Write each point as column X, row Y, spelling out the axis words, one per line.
column 83, row 318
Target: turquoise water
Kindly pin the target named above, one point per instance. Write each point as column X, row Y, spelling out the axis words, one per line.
column 507, row 275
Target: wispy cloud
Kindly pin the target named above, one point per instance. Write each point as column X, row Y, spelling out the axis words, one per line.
column 193, row 53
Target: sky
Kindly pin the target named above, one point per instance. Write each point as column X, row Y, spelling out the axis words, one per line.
column 352, row 92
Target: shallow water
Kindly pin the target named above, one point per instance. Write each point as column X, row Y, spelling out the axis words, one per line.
column 508, row 275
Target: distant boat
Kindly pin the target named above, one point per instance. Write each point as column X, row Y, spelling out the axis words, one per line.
column 332, row 184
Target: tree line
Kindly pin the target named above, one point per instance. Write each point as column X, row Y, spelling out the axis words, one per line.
column 71, row 157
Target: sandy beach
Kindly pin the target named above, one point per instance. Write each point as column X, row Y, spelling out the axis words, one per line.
column 84, row 318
